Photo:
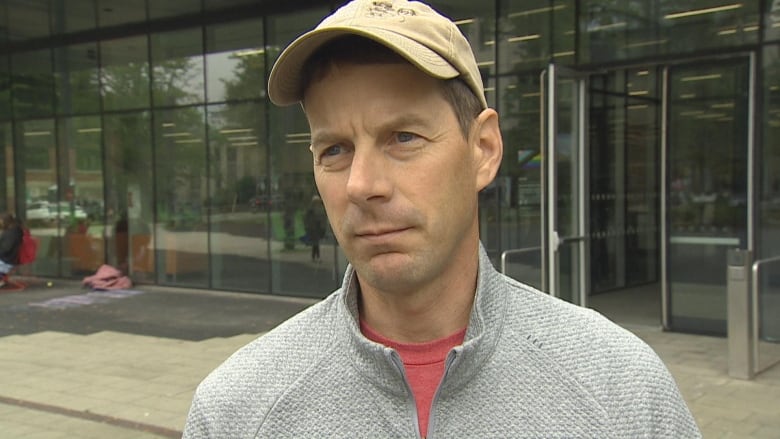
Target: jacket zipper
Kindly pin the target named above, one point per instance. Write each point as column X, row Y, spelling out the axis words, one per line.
column 396, row 360
column 451, row 356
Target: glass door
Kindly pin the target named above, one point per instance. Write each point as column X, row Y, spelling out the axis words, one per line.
column 564, row 183
column 553, row 258
column 708, row 195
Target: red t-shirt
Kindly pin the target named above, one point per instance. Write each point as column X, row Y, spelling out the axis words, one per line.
column 424, row 365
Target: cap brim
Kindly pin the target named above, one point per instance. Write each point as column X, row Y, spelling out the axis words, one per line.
column 284, row 83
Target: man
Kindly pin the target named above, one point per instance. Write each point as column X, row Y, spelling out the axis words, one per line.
column 425, row 338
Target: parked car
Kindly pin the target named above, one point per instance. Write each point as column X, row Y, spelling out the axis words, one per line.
column 64, row 211
column 38, row 211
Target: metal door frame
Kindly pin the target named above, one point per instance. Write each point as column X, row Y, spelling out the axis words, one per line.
column 550, row 238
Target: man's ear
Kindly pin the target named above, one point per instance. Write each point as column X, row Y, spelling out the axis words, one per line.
column 488, row 147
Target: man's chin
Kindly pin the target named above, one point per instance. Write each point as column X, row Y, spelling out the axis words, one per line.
column 388, row 271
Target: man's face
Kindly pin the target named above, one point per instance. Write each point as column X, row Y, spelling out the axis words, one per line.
column 398, row 179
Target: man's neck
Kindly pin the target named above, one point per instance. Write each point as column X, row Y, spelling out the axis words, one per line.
column 426, row 314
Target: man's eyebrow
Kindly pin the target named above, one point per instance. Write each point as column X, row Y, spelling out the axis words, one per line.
column 324, row 136
column 401, row 121
column 407, row 120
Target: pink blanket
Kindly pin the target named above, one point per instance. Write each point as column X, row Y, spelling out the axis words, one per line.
column 108, row 278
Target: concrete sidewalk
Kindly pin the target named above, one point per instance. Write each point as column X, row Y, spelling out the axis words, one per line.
column 137, row 382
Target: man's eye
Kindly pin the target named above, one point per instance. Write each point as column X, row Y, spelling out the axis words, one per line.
column 333, row 151
column 404, row 137
column 335, row 157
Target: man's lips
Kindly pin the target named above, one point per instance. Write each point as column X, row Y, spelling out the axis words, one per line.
column 381, row 234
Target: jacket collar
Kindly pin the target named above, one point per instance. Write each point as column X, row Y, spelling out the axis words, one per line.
column 373, row 360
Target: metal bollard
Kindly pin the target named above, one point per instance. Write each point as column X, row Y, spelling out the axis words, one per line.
column 741, row 337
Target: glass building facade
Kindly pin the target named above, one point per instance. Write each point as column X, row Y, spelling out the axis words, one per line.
column 639, row 145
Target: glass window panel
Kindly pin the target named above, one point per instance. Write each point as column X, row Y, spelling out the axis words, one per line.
column 707, row 202
column 80, row 195
column 173, row 8
column 636, row 28
column 212, row 5
column 116, row 12
column 768, row 189
column 283, row 29
column 290, row 180
column 623, row 221
column 7, row 166
column 181, row 194
column 177, row 67
column 28, row 19
column 76, row 76
column 708, row 24
column 125, row 73
column 33, row 83
column 524, row 33
column 519, row 178
column 618, row 30
column 772, row 20
column 235, row 61
column 563, row 32
column 129, row 180
column 36, row 149
column 73, row 16
column 240, row 205
column 5, row 89
column 4, row 19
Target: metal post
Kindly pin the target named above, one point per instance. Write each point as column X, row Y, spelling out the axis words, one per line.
column 740, row 317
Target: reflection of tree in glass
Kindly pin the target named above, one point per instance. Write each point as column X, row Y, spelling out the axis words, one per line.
column 248, row 78
column 126, row 86
column 240, row 184
column 173, row 78
column 180, row 162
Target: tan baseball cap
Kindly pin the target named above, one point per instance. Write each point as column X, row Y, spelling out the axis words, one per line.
column 412, row 29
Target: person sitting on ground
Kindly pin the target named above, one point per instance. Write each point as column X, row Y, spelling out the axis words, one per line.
column 10, row 243
column 425, row 338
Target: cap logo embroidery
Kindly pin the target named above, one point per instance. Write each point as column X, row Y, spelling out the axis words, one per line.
column 383, row 9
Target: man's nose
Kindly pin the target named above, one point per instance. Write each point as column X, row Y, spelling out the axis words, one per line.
column 369, row 178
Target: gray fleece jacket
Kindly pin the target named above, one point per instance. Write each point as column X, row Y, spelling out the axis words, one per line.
column 531, row 366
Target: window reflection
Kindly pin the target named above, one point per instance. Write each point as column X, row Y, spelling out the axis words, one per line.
column 524, row 38
column 28, row 19
column 5, row 88
column 78, row 211
column 772, row 21
column 177, row 66
column 113, row 13
column 7, row 165
column 129, row 223
column 768, row 190
column 33, row 85
column 35, row 145
column 76, row 76
column 238, row 192
column 181, row 193
column 235, row 61
column 707, row 180
column 125, row 73
column 288, row 191
column 636, row 28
